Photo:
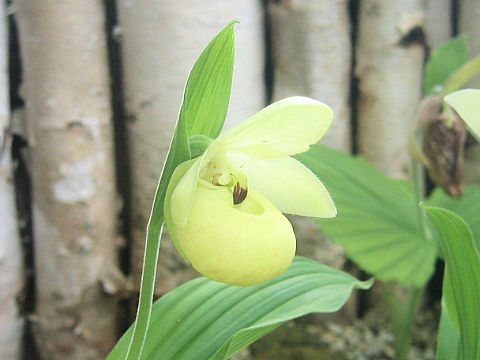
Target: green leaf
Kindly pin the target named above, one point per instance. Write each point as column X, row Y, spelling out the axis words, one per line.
column 203, row 112
column 463, row 270
column 467, row 207
column 206, row 320
column 443, row 62
column 198, row 144
column 377, row 221
column 466, row 103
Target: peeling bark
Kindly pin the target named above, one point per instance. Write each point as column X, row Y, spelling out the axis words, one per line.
column 11, row 275
column 311, row 54
column 160, row 43
column 389, row 66
column 68, row 111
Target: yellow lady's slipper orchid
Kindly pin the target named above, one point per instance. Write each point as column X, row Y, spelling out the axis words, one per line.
column 224, row 209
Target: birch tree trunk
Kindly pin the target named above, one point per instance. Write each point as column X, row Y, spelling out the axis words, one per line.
column 11, row 276
column 438, row 22
column 312, row 57
column 67, row 96
column 160, row 43
column 469, row 24
column 389, row 67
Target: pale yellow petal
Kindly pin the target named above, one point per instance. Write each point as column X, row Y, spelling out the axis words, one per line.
column 467, row 104
column 287, row 183
column 286, row 127
column 182, row 196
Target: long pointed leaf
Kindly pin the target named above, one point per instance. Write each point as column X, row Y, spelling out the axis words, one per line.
column 463, row 270
column 207, row 93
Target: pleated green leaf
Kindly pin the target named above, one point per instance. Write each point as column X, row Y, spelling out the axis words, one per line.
column 377, row 221
column 207, row 320
column 443, row 62
column 463, row 271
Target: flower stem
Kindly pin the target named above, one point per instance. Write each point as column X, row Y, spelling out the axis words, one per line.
column 404, row 311
column 147, row 287
column 403, row 318
column 419, row 191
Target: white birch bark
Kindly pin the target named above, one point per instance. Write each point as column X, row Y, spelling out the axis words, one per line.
column 160, row 43
column 11, row 276
column 312, row 57
column 63, row 49
column 469, row 24
column 438, row 22
column 389, row 67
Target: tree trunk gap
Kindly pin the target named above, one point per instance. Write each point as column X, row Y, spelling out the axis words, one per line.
column 11, row 269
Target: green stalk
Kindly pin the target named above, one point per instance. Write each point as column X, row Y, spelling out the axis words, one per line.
column 463, row 75
column 147, row 287
column 152, row 244
column 418, row 188
column 149, row 269
column 419, row 191
column 403, row 312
